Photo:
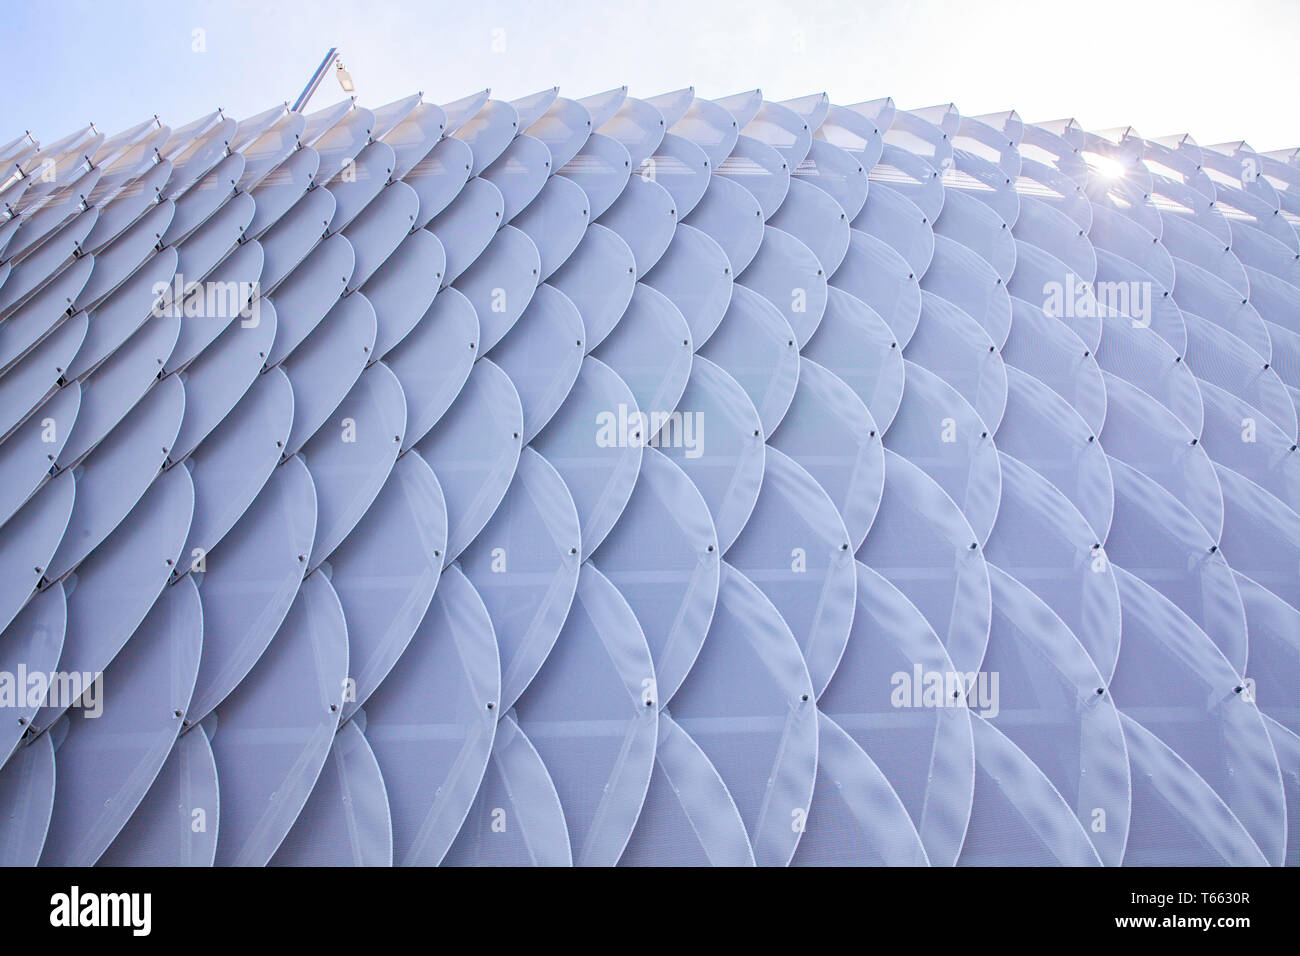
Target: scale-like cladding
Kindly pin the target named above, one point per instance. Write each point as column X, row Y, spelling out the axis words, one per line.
column 667, row 481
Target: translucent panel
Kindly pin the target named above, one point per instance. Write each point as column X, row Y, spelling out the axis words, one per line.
column 673, row 106
column 756, row 345
column 218, row 379
column 524, row 565
column 1205, row 294
column 432, row 722
column 29, row 383
column 249, row 582
column 688, row 818
column 836, row 172
column 728, row 470
column 296, row 233
column 595, row 442
column 964, row 279
column 795, row 548
column 516, row 819
column 385, row 573
column 488, row 132
column 1051, row 702
column 361, row 180
column 782, row 128
column 710, row 127
column 118, row 473
column 760, row 169
column 234, row 462
column 1120, row 235
column 350, row 459
column 415, row 136
column 281, row 188
column 601, row 168
column 912, row 176
column 345, row 821
column 271, row 737
column 26, row 800
column 120, row 314
column 501, row 283
column 555, row 221
column 751, row 668
column 474, row 450
column 893, row 218
column 696, row 274
column 651, row 351
column 1051, row 230
column 175, row 823
column 1274, row 651
column 829, row 432
column 1048, row 546
column 403, row 288
column 1018, row 817
column 680, row 167
column 113, row 590
column 1045, row 433
column 309, row 292
column 264, row 147
column 1048, row 285
column 459, row 112
column 599, row 278
column 873, row 272
column 952, row 345
column 564, row 127
column 25, row 455
column 42, row 264
column 1261, row 535
column 815, row 219
column 1195, row 709
column 789, row 275
column 920, row 739
column 1224, row 360
column 434, row 361
column 975, row 225
column 520, row 172
column 117, row 384
column 438, row 178
column 1144, row 435
column 939, row 432
column 592, row 710
column 857, row 818
column 1189, row 241
column 854, row 342
column 29, row 646
column 1157, row 539
column 731, row 216
column 328, row 363
column 341, row 144
column 1123, row 288
column 107, row 760
column 203, row 320
column 43, row 312
column 204, row 198
column 644, row 216
column 1239, row 437
column 1287, row 747
column 380, row 229
column 1142, row 358
column 856, row 130
column 534, row 107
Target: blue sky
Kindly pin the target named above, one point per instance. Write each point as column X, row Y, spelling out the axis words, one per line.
column 1221, row 71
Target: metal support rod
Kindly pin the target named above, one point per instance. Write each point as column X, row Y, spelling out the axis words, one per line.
column 316, row 77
